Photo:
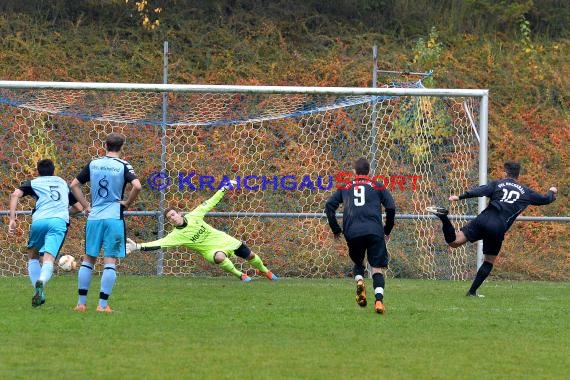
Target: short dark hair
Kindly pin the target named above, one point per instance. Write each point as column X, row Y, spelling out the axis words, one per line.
column 114, row 142
column 168, row 209
column 512, row 169
column 45, row 167
column 362, row 166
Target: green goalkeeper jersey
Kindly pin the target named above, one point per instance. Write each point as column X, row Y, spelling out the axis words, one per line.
column 196, row 234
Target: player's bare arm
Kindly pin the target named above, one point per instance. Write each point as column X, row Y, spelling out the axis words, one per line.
column 75, row 209
column 78, row 194
column 14, row 197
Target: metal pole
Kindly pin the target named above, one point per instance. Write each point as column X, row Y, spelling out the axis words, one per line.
column 162, row 201
column 321, row 215
column 375, row 66
column 429, row 73
column 234, row 89
column 483, row 165
column 374, row 131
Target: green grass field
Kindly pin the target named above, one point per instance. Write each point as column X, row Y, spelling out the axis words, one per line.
column 219, row 328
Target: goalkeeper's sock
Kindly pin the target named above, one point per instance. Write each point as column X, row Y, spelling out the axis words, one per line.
column 482, row 274
column 84, row 281
column 46, row 272
column 107, row 282
column 229, row 267
column 257, row 263
column 34, row 270
column 448, row 229
column 379, row 283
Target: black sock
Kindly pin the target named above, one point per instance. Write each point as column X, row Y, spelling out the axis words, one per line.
column 378, row 282
column 482, row 274
column 448, row 229
column 358, row 270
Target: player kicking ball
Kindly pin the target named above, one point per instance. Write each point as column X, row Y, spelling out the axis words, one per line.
column 50, row 221
column 214, row 245
column 508, row 199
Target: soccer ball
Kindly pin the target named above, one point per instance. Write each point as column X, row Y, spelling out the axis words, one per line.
column 67, row 263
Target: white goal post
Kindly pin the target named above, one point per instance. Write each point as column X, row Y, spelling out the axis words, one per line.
column 269, row 137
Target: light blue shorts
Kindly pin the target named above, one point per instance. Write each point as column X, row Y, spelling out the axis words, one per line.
column 108, row 234
column 47, row 235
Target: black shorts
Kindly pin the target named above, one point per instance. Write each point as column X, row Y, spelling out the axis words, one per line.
column 489, row 227
column 243, row 251
column 371, row 246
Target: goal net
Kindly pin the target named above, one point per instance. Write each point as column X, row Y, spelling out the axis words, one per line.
column 285, row 146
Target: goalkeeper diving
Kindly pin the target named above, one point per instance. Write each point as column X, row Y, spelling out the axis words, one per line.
column 191, row 231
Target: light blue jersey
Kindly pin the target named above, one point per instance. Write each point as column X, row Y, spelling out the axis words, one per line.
column 52, row 197
column 108, row 177
column 50, row 215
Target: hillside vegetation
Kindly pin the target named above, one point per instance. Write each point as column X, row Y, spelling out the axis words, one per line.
column 516, row 49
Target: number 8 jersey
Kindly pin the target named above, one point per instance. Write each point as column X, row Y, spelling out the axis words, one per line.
column 108, row 177
column 509, row 198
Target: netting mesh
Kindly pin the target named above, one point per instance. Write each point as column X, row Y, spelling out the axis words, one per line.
column 289, row 146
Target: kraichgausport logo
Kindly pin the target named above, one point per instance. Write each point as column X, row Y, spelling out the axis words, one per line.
column 343, row 180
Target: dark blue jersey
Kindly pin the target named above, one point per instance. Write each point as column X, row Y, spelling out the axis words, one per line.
column 509, row 198
column 362, row 213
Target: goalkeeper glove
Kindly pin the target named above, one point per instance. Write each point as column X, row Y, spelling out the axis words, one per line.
column 132, row 246
column 231, row 186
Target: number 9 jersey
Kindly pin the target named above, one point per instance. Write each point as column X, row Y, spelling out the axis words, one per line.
column 362, row 213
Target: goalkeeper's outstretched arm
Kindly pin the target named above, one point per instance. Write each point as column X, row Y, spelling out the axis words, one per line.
column 166, row 242
column 210, row 203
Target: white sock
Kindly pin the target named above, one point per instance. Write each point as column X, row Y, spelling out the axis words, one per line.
column 34, row 269
column 47, row 272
